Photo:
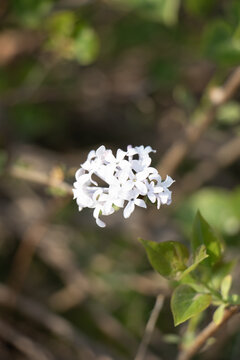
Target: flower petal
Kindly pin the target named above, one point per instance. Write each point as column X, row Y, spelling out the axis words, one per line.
column 126, row 179
column 141, row 187
column 141, row 203
column 119, row 202
column 109, row 157
column 142, row 175
column 128, row 209
column 100, row 151
column 120, row 155
column 152, row 197
column 136, row 165
column 164, row 198
column 123, row 175
column 131, row 151
column 79, row 173
column 100, row 223
column 168, row 181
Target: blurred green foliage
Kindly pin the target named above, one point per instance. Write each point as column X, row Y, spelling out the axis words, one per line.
column 76, row 74
column 30, row 13
column 165, row 11
column 229, row 113
column 200, row 7
column 72, row 38
column 219, row 206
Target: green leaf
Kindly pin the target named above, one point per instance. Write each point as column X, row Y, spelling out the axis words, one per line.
column 219, row 206
column 86, row 45
column 199, row 7
column 31, row 13
column 218, row 314
column 234, row 299
column 186, row 303
column 165, row 11
column 217, row 274
column 200, row 255
column 225, row 286
column 203, row 234
column 220, row 43
column 169, row 12
column 60, row 27
column 61, row 24
column 169, row 258
column 229, row 113
column 191, row 281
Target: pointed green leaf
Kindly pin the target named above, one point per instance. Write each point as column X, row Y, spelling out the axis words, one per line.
column 234, row 299
column 169, row 258
column 217, row 274
column 218, row 314
column 226, row 285
column 203, row 234
column 200, row 255
column 191, row 281
column 186, row 303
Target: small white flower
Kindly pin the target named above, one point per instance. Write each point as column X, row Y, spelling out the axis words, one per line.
column 128, row 177
column 131, row 204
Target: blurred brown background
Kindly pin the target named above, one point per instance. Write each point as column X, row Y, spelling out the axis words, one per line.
column 75, row 74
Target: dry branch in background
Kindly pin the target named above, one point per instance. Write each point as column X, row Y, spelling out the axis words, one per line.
column 207, row 169
column 193, row 132
column 78, row 287
column 52, row 322
column 142, row 350
column 39, row 177
column 27, row 247
column 25, row 345
column 36, row 229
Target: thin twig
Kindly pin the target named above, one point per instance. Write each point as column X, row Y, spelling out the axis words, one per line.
column 30, row 241
column 86, row 348
column 218, row 96
column 78, row 287
column 206, row 333
column 213, row 353
column 52, row 322
column 25, row 345
column 35, row 232
column 23, row 257
column 142, row 350
column 207, row 169
column 38, row 177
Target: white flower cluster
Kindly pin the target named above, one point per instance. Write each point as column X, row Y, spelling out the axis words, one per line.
column 127, row 177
